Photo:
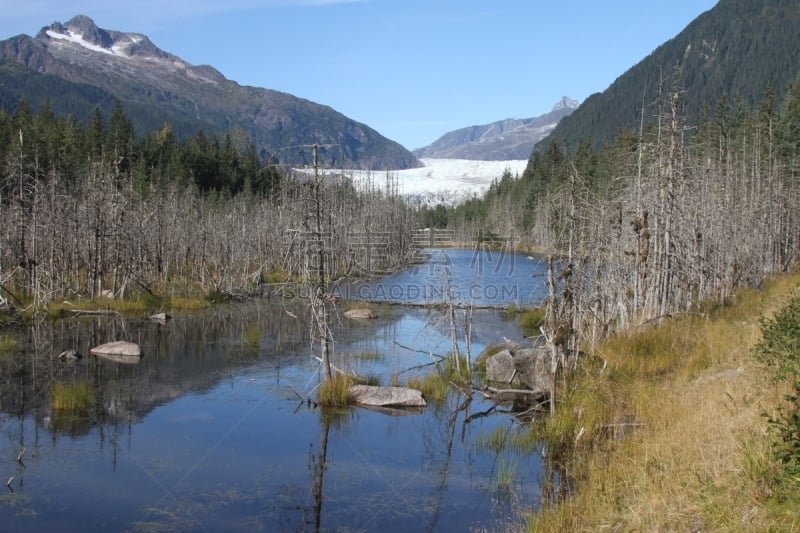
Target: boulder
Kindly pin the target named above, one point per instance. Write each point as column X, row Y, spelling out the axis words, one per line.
column 500, row 368
column 360, row 313
column 119, row 352
column 374, row 396
column 526, row 367
column 69, row 355
column 533, row 368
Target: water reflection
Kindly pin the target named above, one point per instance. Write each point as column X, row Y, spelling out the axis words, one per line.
column 481, row 277
column 207, row 432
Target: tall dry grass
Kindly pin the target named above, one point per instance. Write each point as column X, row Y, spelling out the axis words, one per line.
column 670, row 434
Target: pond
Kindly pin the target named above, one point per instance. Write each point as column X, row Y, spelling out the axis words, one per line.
column 215, row 429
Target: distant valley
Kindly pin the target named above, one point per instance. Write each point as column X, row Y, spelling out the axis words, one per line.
column 78, row 68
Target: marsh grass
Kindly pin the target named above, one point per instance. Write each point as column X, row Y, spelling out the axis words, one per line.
column 130, row 306
column 457, row 371
column 251, row 337
column 493, row 442
column 531, row 319
column 505, row 476
column 186, row 303
column 480, row 361
column 369, row 356
column 335, row 392
column 670, row 435
column 7, row 345
column 72, row 398
column 434, row 387
column 279, row 276
column 368, row 379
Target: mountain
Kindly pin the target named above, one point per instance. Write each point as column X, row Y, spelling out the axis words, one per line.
column 510, row 139
column 738, row 49
column 76, row 67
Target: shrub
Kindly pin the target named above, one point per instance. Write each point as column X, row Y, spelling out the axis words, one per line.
column 779, row 349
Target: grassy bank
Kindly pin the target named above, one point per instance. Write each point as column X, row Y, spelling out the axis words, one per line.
column 665, row 430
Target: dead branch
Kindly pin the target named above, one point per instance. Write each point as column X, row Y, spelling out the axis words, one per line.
column 493, row 393
column 426, row 352
column 335, row 369
column 300, row 396
column 94, row 312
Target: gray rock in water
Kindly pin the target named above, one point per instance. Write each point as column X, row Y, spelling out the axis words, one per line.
column 360, row 313
column 523, row 367
column 500, row 368
column 386, row 396
column 69, row 355
column 119, row 352
column 533, row 367
column 160, row 317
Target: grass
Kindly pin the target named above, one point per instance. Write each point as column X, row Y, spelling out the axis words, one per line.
column 434, row 387
column 670, row 435
column 145, row 303
column 251, row 337
column 278, row 276
column 73, row 398
column 369, row 356
column 506, row 472
column 503, row 439
column 7, row 344
column 480, row 361
column 335, row 392
column 494, row 442
column 530, row 320
column 187, row 303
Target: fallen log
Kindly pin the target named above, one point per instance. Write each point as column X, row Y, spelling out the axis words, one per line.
column 94, row 312
column 511, row 394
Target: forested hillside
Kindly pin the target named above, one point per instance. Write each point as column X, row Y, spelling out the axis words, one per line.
column 77, row 67
column 653, row 225
column 737, row 50
column 88, row 209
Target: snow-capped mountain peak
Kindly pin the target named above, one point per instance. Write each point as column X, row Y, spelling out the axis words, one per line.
column 71, row 36
column 82, row 31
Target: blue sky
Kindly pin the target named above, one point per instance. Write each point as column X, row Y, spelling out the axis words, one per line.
column 411, row 69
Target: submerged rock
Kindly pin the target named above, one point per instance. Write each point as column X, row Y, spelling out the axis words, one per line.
column 119, row 352
column 69, row 355
column 386, row 396
column 360, row 313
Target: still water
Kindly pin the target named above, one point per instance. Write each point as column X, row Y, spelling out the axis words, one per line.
column 479, row 277
column 213, row 430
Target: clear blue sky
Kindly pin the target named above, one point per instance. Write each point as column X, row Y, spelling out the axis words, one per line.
column 411, row 69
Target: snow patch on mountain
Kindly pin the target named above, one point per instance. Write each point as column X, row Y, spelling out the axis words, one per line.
column 78, row 39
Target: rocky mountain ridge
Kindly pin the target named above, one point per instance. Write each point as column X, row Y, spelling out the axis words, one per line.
column 155, row 86
column 509, row 139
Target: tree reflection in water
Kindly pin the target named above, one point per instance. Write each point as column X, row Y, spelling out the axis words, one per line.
column 206, row 430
